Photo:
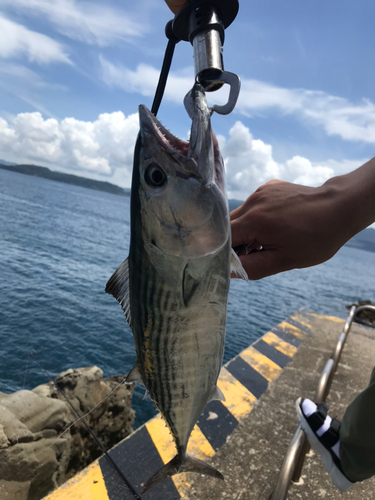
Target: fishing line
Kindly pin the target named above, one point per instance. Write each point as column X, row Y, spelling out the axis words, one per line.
column 168, row 56
column 83, row 416
column 90, row 431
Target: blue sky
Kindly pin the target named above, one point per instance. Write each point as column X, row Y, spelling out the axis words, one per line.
column 73, row 73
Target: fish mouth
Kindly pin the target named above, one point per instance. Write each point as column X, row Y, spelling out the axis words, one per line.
column 196, row 156
column 168, row 141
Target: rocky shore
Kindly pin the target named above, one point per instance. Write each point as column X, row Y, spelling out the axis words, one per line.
column 365, row 317
column 42, row 444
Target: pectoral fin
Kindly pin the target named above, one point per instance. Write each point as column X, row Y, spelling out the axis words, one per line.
column 189, row 285
column 236, row 266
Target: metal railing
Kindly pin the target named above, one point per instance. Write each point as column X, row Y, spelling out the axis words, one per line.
column 295, row 456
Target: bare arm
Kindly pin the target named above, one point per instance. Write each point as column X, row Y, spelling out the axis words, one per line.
column 300, row 226
column 176, row 5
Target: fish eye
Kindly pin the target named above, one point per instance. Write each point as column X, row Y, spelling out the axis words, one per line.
column 155, row 176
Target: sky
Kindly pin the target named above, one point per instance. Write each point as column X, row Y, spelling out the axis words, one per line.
column 72, row 74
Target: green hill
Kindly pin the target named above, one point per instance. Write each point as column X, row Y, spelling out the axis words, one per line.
column 46, row 173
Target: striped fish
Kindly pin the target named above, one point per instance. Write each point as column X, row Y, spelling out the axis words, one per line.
column 173, row 287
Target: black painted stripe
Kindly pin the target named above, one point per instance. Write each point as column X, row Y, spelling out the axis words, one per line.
column 288, row 337
column 271, row 353
column 304, row 313
column 217, row 423
column 138, row 459
column 250, row 378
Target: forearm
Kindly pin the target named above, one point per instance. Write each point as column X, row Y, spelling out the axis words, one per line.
column 300, row 226
column 354, row 198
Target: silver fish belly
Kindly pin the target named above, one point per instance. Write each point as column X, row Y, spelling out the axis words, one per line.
column 174, row 286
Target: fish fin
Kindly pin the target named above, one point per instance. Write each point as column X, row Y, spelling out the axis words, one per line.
column 236, row 266
column 118, row 286
column 189, row 285
column 217, row 394
column 181, row 464
column 146, row 395
column 134, row 375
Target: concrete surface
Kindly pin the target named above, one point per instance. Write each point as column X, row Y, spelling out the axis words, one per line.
column 252, row 456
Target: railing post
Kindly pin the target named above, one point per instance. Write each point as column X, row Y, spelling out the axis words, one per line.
column 287, row 469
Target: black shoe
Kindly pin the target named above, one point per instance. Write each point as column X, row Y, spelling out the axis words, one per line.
column 323, row 444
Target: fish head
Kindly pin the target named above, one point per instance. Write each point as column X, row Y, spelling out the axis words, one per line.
column 183, row 203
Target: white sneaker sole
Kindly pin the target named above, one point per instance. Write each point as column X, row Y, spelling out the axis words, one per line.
column 338, row 478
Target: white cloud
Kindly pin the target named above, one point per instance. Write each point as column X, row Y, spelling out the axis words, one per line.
column 18, row 41
column 90, row 149
column 104, row 149
column 337, row 116
column 89, row 22
column 144, row 78
column 250, row 163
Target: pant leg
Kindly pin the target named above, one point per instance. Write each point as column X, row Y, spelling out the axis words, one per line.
column 357, row 435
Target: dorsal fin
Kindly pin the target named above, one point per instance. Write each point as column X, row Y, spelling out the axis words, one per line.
column 118, row 286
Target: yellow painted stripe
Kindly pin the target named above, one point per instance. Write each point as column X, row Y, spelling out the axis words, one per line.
column 162, row 438
column 86, row 485
column 280, row 344
column 238, row 399
column 301, row 319
column 293, row 330
column 263, row 365
column 198, row 447
column 328, row 318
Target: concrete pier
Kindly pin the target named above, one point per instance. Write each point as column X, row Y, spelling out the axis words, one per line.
column 247, row 436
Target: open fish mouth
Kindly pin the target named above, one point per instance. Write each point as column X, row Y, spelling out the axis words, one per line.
column 168, row 141
column 196, row 156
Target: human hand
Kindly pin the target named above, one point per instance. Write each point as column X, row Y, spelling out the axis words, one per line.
column 297, row 226
column 176, row 5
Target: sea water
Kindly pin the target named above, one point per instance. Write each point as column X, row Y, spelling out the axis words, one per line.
column 59, row 244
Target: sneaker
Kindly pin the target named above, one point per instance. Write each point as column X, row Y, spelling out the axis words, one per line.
column 323, row 434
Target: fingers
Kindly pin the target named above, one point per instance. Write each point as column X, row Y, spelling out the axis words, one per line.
column 264, row 263
column 242, row 232
column 176, row 5
column 241, row 210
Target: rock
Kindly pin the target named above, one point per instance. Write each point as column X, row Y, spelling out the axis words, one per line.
column 4, row 441
column 13, row 428
column 37, row 412
column 42, row 441
column 14, row 490
column 18, row 462
column 365, row 317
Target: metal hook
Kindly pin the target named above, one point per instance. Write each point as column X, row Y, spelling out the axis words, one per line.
column 235, row 84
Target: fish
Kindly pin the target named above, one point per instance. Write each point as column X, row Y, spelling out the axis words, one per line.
column 173, row 287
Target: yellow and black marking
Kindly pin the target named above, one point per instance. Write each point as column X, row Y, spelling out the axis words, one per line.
column 243, row 380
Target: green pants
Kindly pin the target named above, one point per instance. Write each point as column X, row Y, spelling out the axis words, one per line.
column 357, row 435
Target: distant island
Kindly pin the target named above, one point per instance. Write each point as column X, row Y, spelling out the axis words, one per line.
column 365, row 240
column 46, row 173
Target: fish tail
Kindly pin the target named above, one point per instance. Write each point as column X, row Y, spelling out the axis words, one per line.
column 178, row 464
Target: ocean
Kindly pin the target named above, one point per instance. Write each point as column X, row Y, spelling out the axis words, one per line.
column 59, row 244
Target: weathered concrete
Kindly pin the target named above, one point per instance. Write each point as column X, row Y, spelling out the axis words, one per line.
column 252, row 457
